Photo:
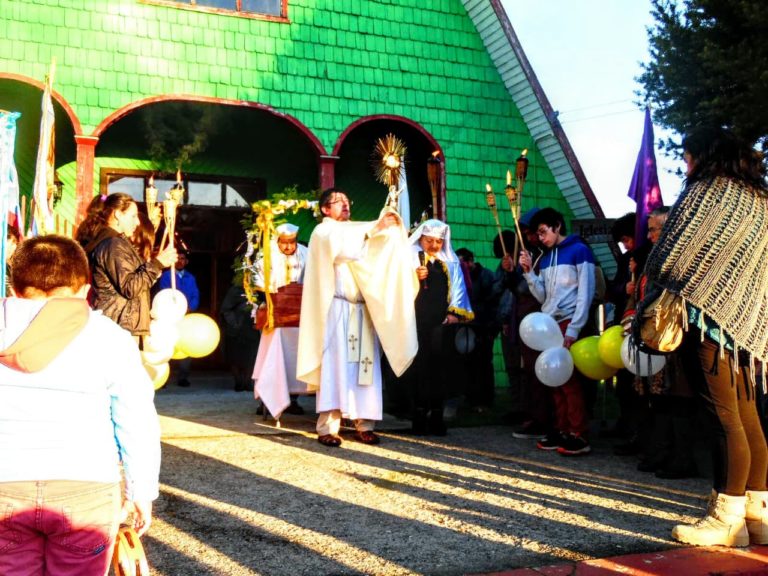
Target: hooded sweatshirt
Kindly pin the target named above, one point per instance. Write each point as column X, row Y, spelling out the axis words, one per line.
column 565, row 285
column 75, row 399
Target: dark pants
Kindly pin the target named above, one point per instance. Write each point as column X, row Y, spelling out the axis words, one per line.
column 739, row 453
column 481, row 389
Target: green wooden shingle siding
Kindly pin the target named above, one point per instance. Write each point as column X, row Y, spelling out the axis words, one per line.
column 333, row 63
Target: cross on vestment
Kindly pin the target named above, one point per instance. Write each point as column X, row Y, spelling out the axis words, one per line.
column 366, row 362
column 352, row 340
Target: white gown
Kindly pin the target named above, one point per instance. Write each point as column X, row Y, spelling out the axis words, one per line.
column 339, row 379
column 274, row 373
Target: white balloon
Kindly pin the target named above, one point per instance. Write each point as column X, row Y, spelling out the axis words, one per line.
column 159, row 344
column 640, row 363
column 540, row 332
column 169, row 304
column 156, row 357
column 554, row 366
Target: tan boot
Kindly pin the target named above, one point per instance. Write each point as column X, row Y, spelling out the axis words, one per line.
column 757, row 517
column 722, row 526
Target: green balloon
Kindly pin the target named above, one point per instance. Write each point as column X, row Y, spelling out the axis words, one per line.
column 609, row 347
column 587, row 359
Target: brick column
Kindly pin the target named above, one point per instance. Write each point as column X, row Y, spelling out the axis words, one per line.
column 327, row 171
column 86, row 148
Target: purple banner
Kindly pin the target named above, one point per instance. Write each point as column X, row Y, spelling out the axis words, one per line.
column 644, row 189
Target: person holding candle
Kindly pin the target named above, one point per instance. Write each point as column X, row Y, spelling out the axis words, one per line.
column 536, row 397
column 442, row 299
column 121, row 278
column 565, row 288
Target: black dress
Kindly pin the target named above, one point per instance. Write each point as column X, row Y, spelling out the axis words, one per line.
column 426, row 375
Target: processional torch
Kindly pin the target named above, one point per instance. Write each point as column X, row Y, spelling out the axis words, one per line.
column 491, row 201
column 174, row 198
column 153, row 206
column 515, row 197
column 433, row 176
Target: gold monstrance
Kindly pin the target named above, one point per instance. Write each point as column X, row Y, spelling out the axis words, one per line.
column 390, row 153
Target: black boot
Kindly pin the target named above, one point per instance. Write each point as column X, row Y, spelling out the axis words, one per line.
column 435, row 425
column 419, row 426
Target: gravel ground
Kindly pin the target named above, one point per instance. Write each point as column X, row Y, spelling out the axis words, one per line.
column 240, row 496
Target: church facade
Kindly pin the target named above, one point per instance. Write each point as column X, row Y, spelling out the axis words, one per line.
column 248, row 98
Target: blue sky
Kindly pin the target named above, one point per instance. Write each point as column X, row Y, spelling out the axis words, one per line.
column 586, row 54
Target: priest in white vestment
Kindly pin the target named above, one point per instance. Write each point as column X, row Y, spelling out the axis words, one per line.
column 274, row 373
column 358, row 298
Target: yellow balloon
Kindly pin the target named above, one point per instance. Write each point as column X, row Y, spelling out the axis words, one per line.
column 587, row 360
column 158, row 373
column 609, row 347
column 198, row 335
column 179, row 353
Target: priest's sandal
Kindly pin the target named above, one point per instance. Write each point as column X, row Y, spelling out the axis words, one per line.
column 367, row 437
column 329, row 440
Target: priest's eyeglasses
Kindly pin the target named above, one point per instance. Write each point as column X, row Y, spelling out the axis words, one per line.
column 341, row 201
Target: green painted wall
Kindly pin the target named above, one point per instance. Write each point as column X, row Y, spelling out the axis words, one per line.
column 334, row 62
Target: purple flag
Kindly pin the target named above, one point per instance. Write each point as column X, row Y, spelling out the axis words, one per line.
column 644, row 189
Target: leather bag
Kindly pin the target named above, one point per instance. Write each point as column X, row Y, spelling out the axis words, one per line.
column 663, row 324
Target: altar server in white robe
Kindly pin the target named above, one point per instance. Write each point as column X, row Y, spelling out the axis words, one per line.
column 274, row 372
column 359, row 296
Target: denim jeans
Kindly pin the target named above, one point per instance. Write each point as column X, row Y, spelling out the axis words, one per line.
column 58, row 527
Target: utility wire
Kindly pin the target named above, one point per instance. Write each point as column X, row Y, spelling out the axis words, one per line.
column 598, row 116
column 595, row 106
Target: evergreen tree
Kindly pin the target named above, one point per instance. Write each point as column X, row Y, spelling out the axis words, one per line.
column 709, row 65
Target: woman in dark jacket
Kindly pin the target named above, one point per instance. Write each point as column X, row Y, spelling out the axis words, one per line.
column 121, row 278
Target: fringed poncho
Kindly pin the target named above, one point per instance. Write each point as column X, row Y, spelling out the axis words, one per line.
column 714, row 253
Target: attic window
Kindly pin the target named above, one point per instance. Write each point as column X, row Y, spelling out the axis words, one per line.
column 252, row 8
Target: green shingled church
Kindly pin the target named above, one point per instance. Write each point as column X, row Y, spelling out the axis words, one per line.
column 249, row 97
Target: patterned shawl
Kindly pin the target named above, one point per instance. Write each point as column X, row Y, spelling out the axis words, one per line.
column 713, row 252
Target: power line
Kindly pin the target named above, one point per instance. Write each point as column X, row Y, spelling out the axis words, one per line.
column 595, row 106
column 598, row 116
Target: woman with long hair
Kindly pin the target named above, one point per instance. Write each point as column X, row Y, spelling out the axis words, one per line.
column 121, row 277
column 144, row 237
column 713, row 252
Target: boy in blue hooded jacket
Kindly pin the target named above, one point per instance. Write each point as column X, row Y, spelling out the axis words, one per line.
column 565, row 286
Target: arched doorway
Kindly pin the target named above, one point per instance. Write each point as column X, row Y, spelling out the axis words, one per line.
column 355, row 173
column 237, row 155
column 24, row 95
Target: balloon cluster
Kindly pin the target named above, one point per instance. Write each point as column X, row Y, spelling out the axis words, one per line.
column 597, row 357
column 174, row 334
